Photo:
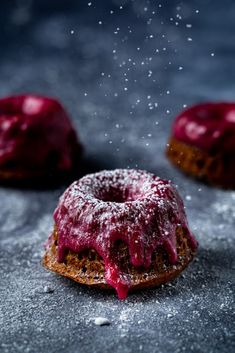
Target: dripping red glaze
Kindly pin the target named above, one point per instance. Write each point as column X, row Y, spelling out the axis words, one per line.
column 208, row 126
column 36, row 133
column 129, row 205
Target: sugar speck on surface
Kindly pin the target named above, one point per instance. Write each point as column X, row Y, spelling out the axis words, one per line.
column 101, row 321
column 48, row 289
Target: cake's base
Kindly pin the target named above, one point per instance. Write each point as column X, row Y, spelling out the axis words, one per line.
column 87, row 267
column 216, row 169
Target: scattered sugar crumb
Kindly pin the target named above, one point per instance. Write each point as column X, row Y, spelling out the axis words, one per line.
column 48, row 289
column 101, row 321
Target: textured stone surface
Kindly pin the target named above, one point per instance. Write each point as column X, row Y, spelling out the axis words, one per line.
column 62, row 50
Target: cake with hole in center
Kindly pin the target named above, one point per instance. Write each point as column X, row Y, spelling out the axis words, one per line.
column 125, row 229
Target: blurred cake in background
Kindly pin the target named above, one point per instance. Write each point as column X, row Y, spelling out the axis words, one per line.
column 37, row 140
column 202, row 143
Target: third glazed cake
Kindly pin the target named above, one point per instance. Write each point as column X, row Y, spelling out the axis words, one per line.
column 202, row 143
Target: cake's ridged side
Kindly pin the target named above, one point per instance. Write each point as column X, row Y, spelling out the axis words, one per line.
column 87, row 267
column 216, row 169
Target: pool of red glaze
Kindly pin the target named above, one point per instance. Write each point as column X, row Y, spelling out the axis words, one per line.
column 208, row 126
column 35, row 133
column 133, row 206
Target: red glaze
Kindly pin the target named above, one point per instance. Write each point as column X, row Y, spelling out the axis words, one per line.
column 208, row 126
column 36, row 133
column 129, row 205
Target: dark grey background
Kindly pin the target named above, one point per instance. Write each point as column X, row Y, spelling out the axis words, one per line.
column 59, row 48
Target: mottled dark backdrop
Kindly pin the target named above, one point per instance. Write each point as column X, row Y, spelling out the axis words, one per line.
column 123, row 69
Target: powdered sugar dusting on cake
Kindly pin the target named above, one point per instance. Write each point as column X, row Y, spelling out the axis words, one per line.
column 129, row 205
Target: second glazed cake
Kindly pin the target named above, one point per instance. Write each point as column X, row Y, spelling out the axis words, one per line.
column 202, row 143
column 37, row 140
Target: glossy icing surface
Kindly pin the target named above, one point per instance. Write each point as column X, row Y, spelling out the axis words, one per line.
column 208, row 126
column 129, row 205
column 35, row 133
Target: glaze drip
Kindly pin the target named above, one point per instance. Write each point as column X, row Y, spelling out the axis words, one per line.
column 36, row 133
column 129, row 205
column 209, row 126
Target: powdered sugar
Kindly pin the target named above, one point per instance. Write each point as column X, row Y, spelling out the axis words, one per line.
column 101, row 321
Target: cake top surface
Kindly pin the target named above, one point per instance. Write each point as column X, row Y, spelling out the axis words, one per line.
column 208, row 126
column 134, row 206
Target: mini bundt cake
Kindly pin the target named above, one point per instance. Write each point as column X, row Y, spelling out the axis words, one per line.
column 125, row 229
column 202, row 143
column 37, row 139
